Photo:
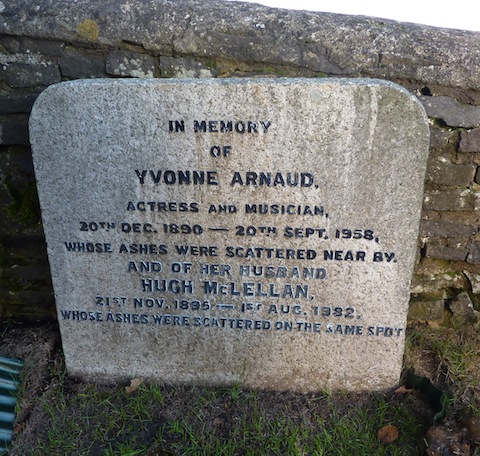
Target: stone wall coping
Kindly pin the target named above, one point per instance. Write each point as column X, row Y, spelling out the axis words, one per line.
column 328, row 43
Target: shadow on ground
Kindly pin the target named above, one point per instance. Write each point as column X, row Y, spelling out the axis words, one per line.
column 57, row 414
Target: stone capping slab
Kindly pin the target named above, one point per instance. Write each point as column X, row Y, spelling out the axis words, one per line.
column 322, row 42
column 167, row 290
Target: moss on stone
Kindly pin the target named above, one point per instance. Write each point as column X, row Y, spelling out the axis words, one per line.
column 88, row 29
column 24, row 206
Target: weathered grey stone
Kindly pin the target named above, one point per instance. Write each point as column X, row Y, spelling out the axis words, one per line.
column 477, row 200
column 469, row 141
column 451, row 111
column 17, row 104
column 34, row 306
column 474, row 253
column 10, row 43
column 229, row 231
column 184, row 67
column 449, row 200
column 20, row 162
column 427, row 310
column 435, row 283
column 321, row 42
column 31, row 244
column 462, row 308
column 445, row 229
column 446, row 253
column 14, row 133
column 22, row 44
column 443, row 172
column 439, row 138
column 467, row 158
column 26, row 75
column 79, row 66
column 28, row 273
column 132, row 64
column 474, row 279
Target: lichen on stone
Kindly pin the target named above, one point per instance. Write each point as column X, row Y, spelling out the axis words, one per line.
column 88, row 29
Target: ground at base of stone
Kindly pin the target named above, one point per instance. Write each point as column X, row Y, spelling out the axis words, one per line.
column 46, row 388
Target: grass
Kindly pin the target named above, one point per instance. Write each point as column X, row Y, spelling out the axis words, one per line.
column 85, row 419
column 455, row 354
column 97, row 421
column 78, row 418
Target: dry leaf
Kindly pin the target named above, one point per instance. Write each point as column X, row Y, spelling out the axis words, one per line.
column 403, row 390
column 134, row 384
column 388, row 434
column 19, row 427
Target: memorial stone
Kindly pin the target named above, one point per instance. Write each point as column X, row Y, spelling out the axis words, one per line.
column 242, row 231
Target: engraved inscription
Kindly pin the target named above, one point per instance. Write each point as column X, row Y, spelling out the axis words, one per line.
column 225, row 287
column 256, row 232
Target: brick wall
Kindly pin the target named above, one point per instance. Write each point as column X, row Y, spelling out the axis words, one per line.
column 42, row 43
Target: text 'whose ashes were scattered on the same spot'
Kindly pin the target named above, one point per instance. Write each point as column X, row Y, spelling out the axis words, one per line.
column 188, row 321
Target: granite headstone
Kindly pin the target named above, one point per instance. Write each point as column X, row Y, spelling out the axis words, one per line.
column 259, row 232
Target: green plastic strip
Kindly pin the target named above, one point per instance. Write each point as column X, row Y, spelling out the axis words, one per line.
column 8, row 372
column 10, row 369
column 7, row 417
column 5, row 435
column 438, row 398
column 7, row 401
column 12, row 362
column 9, row 385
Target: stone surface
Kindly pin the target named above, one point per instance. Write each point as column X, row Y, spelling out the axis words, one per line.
column 462, row 308
column 131, row 64
column 469, row 141
column 190, row 33
column 474, row 281
column 445, row 229
column 16, row 44
column 26, row 75
column 456, row 199
column 453, row 113
column 14, row 133
column 79, row 66
column 442, row 172
column 446, row 252
column 232, row 231
column 434, row 283
column 427, row 310
column 330, row 43
column 439, row 138
column 184, row 67
column 474, row 253
column 476, row 196
column 14, row 104
column 467, row 158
